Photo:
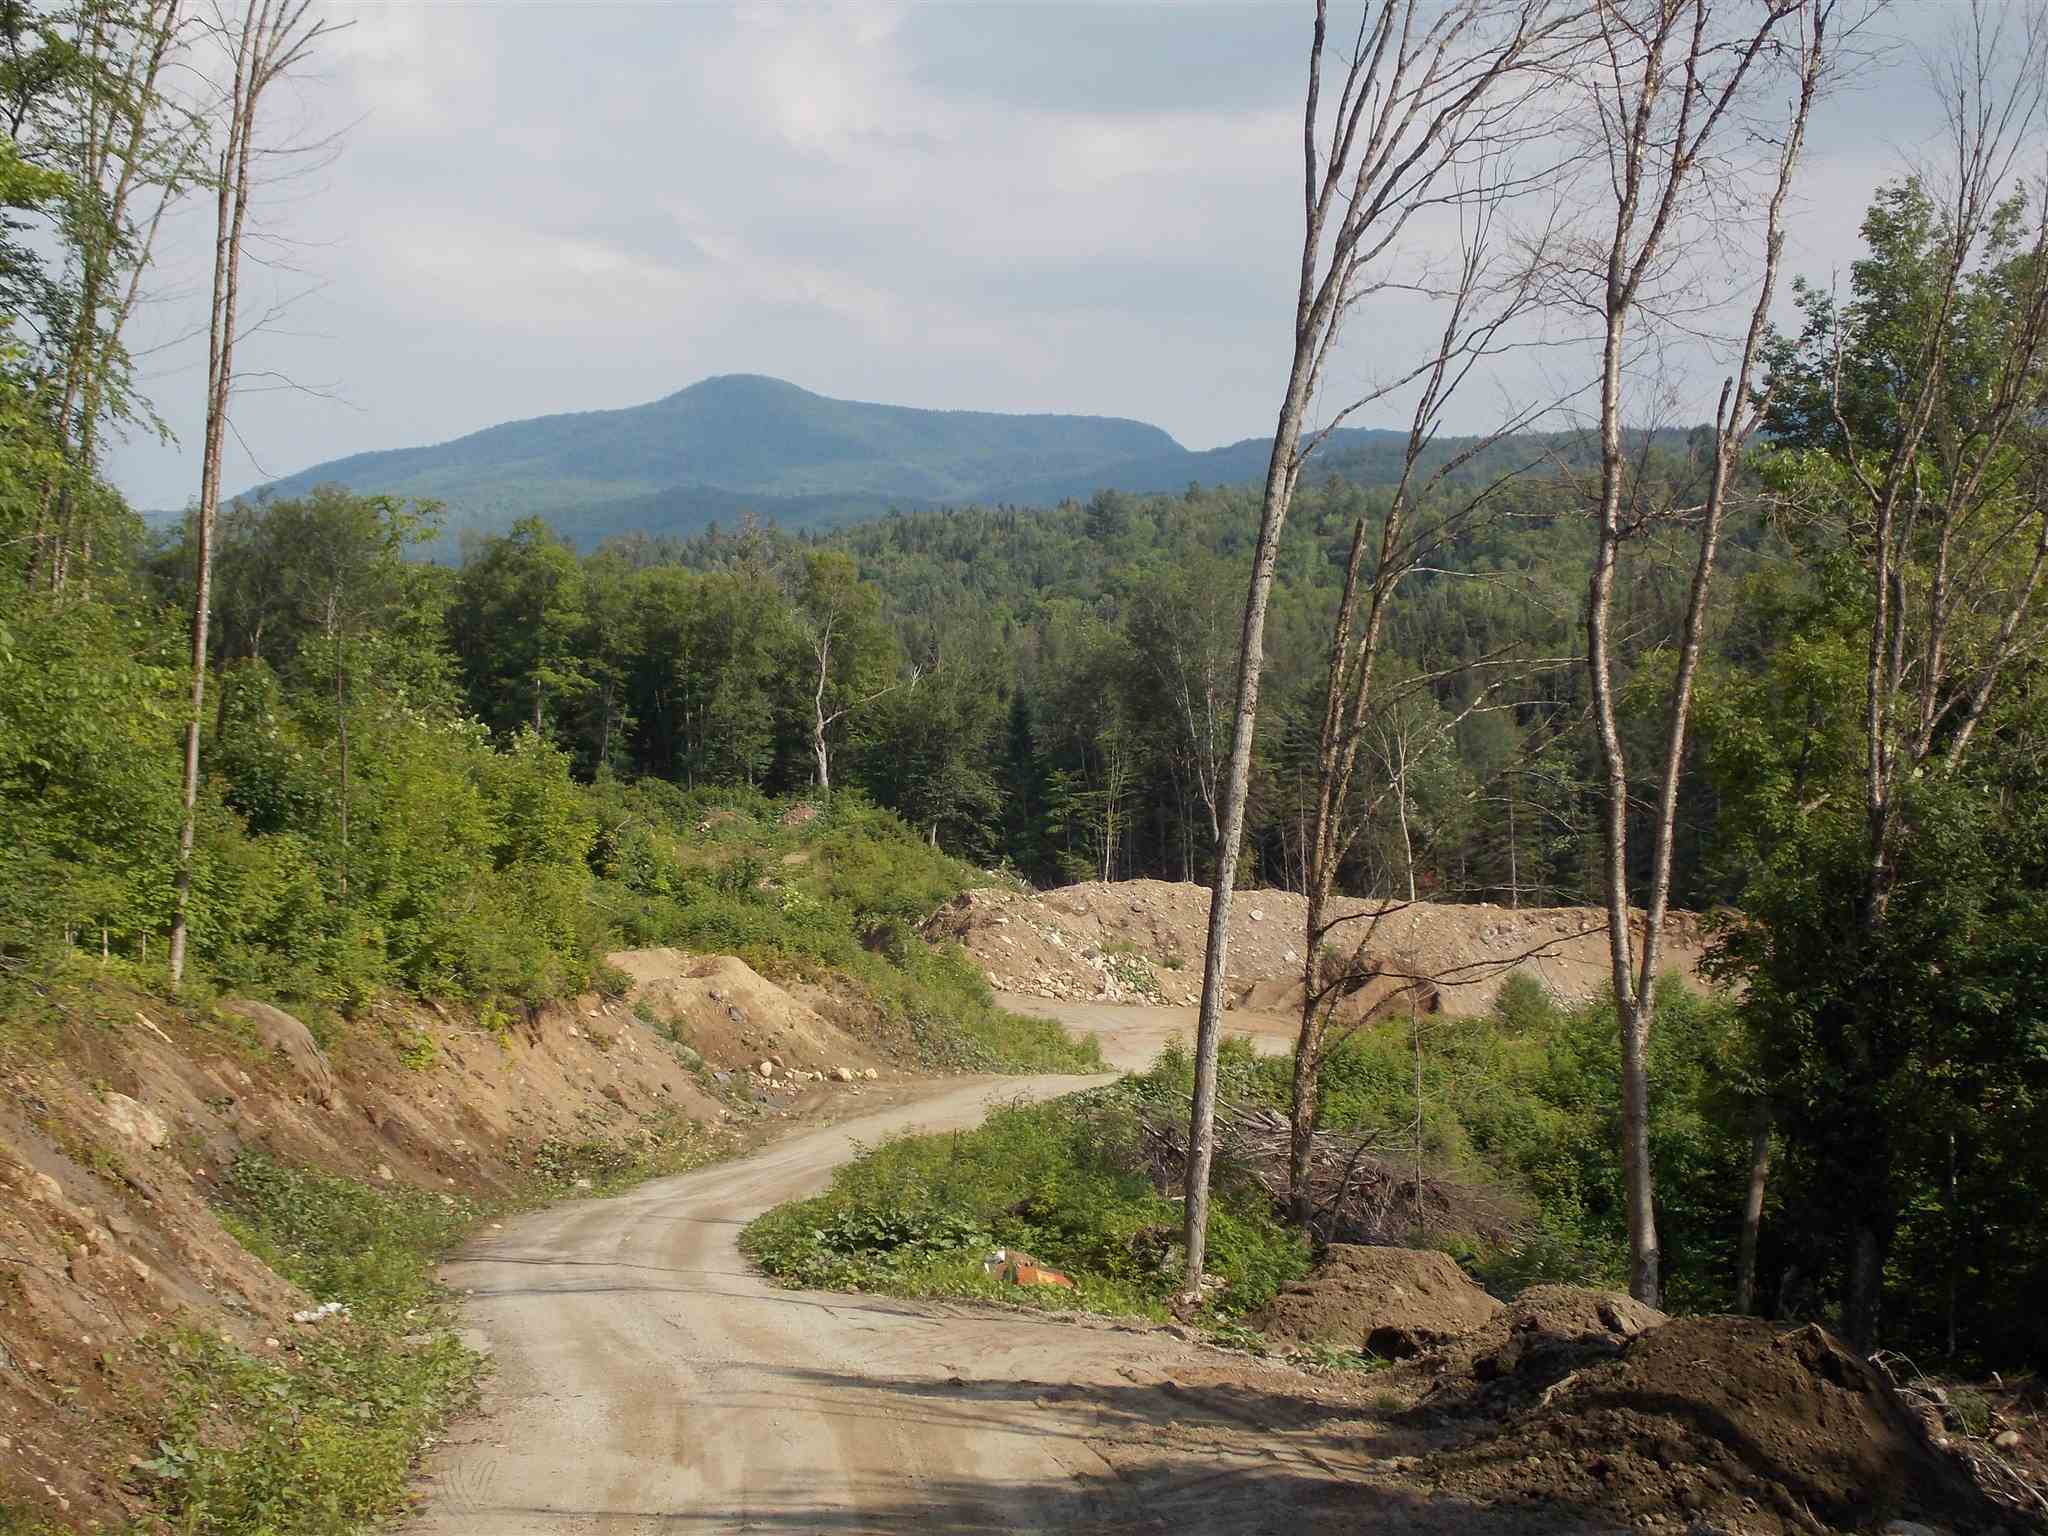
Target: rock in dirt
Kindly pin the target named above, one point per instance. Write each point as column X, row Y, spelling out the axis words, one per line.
column 138, row 1122
column 289, row 1038
column 1727, row 1420
column 1391, row 1302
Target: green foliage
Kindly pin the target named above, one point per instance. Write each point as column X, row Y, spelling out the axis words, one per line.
column 323, row 1443
column 1527, row 1100
column 669, row 1144
column 250, row 1447
column 1064, row 1181
column 372, row 1249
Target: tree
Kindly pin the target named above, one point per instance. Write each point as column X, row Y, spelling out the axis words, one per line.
column 851, row 653
column 1912, row 465
column 341, row 574
column 1180, row 624
column 1673, row 78
column 272, row 38
column 517, row 623
column 129, row 155
column 1421, row 87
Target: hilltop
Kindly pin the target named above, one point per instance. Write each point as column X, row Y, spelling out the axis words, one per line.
column 744, row 442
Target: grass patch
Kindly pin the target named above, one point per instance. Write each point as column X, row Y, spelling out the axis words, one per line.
column 668, row 1144
column 373, row 1249
column 1065, row 1181
column 322, row 1442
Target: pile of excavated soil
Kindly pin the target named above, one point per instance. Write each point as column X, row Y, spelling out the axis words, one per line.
column 1725, row 1423
column 721, row 1008
column 1390, row 1302
column 1539, row 1338
column 1141, row 941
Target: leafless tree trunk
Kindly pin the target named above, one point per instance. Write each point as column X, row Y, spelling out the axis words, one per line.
column 820, row 749
column 1671, row 82
column 271, row 37
column 1420, row 86
column 1753, row 1207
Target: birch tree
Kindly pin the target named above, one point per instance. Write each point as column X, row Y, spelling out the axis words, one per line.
column 1419, row 88
column 268, row 40
column 851, row 653
column 130, row 153
column 1484, row 298
column 1674, row 88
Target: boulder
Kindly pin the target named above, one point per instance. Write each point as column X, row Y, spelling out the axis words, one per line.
column 1392, row 1302
column 289, row 1038
column 138, row 1122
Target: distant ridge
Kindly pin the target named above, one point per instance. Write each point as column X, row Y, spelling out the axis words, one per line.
column 743, row 442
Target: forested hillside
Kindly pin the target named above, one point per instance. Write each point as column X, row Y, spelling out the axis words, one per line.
column 730, row 446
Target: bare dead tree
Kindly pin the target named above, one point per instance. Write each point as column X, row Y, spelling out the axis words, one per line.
column 1672, row 83
column 1422, row 86
column 1482, row 302
column 269, row 39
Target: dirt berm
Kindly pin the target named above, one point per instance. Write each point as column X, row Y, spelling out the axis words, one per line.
column 1140, row 941
column 1390, row 1302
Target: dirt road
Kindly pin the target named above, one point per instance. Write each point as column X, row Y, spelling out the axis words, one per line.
column 648, row 1381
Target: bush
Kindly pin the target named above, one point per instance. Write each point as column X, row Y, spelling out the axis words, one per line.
column 249, row 1447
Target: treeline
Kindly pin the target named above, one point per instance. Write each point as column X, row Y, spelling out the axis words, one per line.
column 1046, row 691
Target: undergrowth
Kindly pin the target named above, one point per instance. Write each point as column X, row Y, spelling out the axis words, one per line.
column 320, row 1442
column 254, row 1447
column 1064, row 1181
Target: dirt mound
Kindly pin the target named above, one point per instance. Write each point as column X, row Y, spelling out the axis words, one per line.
column 1141, row 941
column 1391, row 1302
column 734, row 1017
column 1728, row 1421
column 1538, row 1339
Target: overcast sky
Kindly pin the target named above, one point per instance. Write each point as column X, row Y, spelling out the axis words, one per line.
column 535, row 208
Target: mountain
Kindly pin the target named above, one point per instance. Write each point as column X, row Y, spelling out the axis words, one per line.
column 741, row 442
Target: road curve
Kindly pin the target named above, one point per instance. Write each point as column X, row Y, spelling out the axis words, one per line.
column 649, row 1381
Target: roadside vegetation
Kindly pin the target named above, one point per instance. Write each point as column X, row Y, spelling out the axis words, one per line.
column 1063, row 1181
column 1518, row 1104
column 323, row 1440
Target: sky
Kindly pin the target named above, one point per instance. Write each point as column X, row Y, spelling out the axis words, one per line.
column 516, row 209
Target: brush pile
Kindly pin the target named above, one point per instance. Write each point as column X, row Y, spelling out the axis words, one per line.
column 1364, row 1188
